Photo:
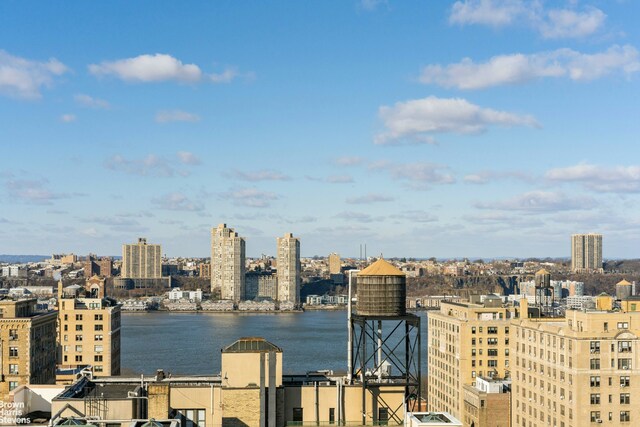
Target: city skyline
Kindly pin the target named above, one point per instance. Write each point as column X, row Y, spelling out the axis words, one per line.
column 447, row 129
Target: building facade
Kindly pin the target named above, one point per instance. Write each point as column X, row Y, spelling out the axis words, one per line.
column 580, row 370
column 227, row 263
column 288, row 272
column 261, row 285
column 141, row 260
column 586, row 253
column 89, row 330
column 28, row 343
column 466, row 341
column 335, row 265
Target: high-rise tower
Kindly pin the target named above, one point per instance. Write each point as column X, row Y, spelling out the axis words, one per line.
column 141, row 260
column 288, row 269
column 586, row 253
column 227, row 263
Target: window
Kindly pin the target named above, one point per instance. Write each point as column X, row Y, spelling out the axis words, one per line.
column 97, row 358
column 473, row 341
column 13, row 334
column 492, row 341
column 492, row 352
column 594, row 347
column 78, row 358
column 595, row 398
column 623, row 325
column 78, row 348
column 624, row 363
column 625, row 416
column 625, row 398
column 78, row 316
column 473, row 329
column 492, row 363
column 383, row 416
column 332, row 415
column 506, row 330
column 98, row 317
column 78, row 327
column 624, row 347
column 13, row 385
column 66, row 327
column 98, row 338
column 13, row 351
column 192, row 417
column 98, row 328
column 595, row 364
column 97, row 348
column 624, row 381
column 595, row 381
column 297, row 415
column 480, row 329
column 78, row 337
column 492, row 329
column 98, row 368
column 13, row 369
column 595, row 416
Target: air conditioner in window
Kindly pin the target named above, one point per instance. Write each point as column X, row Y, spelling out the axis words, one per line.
column 599, row 421
column 561, row 397
column 625, row 367
column 622, row 386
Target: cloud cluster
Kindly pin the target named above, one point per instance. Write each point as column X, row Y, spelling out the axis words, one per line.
column 177, row 201
column 549, row 23
column 540, row 202
column 368, row 199
column 418, row 175
column 34, row 191
column 256, row 176
column 153, row 165
column 520, row 68
column 616, row 179
column 250, row 197
column 91, row 102
column 417, row 120
column 158, row 68
column 24, row 78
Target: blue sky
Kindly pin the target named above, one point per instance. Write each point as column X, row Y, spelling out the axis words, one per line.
column 421, row 128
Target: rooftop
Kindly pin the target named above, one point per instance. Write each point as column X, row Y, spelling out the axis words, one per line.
column 381, row 268
column 251, row 345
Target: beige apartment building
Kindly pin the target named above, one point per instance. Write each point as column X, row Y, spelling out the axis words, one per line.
column 335, row 265
column 466, row 341
column 580, row 370
column 141, row 260
column 27, row 345
column 250, row 392
column 288, row 272
column 586, row 253
column 88, row 329
column 227, row 263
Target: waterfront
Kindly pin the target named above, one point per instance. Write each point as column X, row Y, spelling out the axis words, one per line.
column 190, row 343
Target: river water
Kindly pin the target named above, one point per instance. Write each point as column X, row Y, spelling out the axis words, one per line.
column 190, row 343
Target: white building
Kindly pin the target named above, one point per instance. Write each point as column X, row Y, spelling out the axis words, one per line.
column 176, row 295
column 288, row 269
column 227, row 263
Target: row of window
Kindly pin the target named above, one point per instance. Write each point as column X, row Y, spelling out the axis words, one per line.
column 625, row 398
column 79, row 317
column 622, row 364
column 98, row 327
column 490, row 330
column 96, row 348
column 594, row 381
column 623, row 347
column 79, row 337
column 624, row 416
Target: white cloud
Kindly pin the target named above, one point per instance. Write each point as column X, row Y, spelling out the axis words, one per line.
column 176, row 116
column 421, row 118
column 416, row 216
column 177, row 202
column 148, row 68
column 23, row 78
column 550, row 23
column 250, row 197
column 262, row 175
column 159, row 68
column 91, row 102
column 485, row 177
column 225, row 76
column 494, row 13
column 153, row 165
column 34, row 191
column 566, row 23
column 68, row 118
column 188, row 158
column 521, row 68
column 540, row 202
column 368, row 199
column 616, row 179
column 418, row 175
column 348, row 161
column 355, row 216
column 340, row 179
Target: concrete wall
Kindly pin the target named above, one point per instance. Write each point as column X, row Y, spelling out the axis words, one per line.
column 243, row 369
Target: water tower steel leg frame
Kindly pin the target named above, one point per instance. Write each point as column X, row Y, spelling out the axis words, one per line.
column 400, row 348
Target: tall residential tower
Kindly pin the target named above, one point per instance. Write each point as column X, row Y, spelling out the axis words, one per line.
column 141, row 260
column 227, row 263
column 586, row 253
column 288, row 269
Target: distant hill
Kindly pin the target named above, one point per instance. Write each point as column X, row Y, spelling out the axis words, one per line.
column 21, row 259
